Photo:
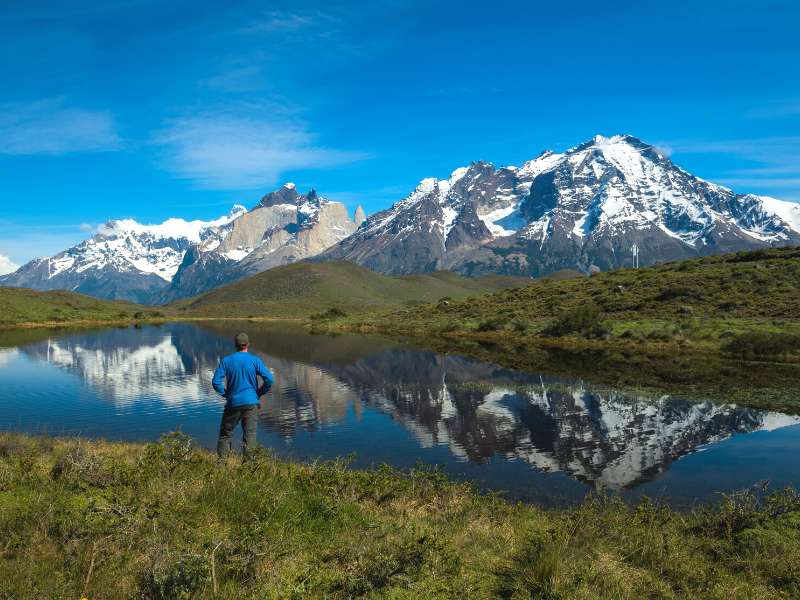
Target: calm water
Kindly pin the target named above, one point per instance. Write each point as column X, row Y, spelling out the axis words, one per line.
column 534, row 437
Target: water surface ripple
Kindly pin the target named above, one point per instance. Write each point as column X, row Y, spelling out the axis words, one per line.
column 534, row 437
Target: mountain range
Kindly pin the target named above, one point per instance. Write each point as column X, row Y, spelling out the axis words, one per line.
column 583, row 209
column 152, row 264
column 608, row 203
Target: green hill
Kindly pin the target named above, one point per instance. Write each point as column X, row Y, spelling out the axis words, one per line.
column 723, row 327
column 20, row 306
column 761, row 285
column 304, row 288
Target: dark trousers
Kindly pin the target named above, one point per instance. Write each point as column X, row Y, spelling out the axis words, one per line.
column 231, row 416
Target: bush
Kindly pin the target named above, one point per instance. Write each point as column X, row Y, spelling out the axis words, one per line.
column 757, row 344
column 175, row 577
column 677, row 291
column 490, row 325
column 584, row 320
column 519, row 325
column 330, row 314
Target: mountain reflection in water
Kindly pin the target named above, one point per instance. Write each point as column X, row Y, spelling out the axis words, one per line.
column 480, row 413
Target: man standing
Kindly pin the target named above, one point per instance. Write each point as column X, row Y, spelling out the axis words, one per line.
column 239, row 372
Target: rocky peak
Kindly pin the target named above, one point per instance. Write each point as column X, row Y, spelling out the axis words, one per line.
column 287, row 194
column 360, row 216
column 583, row 207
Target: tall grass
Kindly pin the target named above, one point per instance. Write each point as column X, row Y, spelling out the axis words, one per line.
column 166, row 520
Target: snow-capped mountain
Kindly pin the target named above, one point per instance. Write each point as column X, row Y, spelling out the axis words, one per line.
column 124, row 260
column 284, row 227
column 127, row 260
column 579, row 209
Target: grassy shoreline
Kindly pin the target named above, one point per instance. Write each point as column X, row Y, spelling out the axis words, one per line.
column 93, row 323
column 117, row 520
column 658, row 368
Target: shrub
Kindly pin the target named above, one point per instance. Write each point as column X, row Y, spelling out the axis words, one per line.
column 519, row 325
column 330, row 314
column 175, row 577
column 79, row 467
column 677, row 291
column 583, row 320
column 756, row 344
column 490, row 325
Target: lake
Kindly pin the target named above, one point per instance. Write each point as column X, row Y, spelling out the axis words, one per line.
column 535, row 438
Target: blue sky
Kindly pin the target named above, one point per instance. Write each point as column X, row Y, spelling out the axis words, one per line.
column 148, row 109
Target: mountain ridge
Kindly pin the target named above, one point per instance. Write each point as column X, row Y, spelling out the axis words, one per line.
column 159, row 263
column 607, row 203
column 581, row 209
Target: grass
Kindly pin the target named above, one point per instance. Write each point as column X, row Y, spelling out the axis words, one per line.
column 165, row 520
column 21, row 307
column 303, row 289
column 705, row 297
column 719, row 328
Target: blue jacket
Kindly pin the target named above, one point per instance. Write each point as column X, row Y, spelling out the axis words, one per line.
column 238, row 372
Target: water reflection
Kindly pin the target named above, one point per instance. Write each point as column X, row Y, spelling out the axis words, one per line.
column 477, row 412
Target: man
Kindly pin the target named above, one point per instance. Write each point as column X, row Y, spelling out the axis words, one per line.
column 239, row 372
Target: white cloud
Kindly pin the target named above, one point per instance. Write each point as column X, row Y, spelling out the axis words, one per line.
column 247, row 147
column 6, row 265
column 665, row 150
column 776, row 110
column 764, row 148
column 51, row 127
column 280, row 21
column 773, row 159
column 779, row 182
column 235, row 78
column 26, row 242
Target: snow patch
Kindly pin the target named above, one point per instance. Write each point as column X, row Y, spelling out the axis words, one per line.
column 171, row 228
column 503, row 222
column 788, row 212
column 449, row 215
column 237, row 254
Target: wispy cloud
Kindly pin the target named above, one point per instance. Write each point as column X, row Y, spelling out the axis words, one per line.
column 774, row 161
column 775, row 110
column 7, row 265
column 235, row 78
column 764, row 148
column 279, row 21
column 764, row 182
column 51, row 127
column 21, row 243
column 244, row 147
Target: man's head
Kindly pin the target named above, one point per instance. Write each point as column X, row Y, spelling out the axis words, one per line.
column 242, row 341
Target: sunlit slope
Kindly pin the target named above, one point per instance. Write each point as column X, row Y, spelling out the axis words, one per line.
column 22, row 305
column 301, row 289
column 763, row 284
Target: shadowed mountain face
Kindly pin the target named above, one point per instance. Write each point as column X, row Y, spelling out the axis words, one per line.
column 476, row 411
column 585, row 208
